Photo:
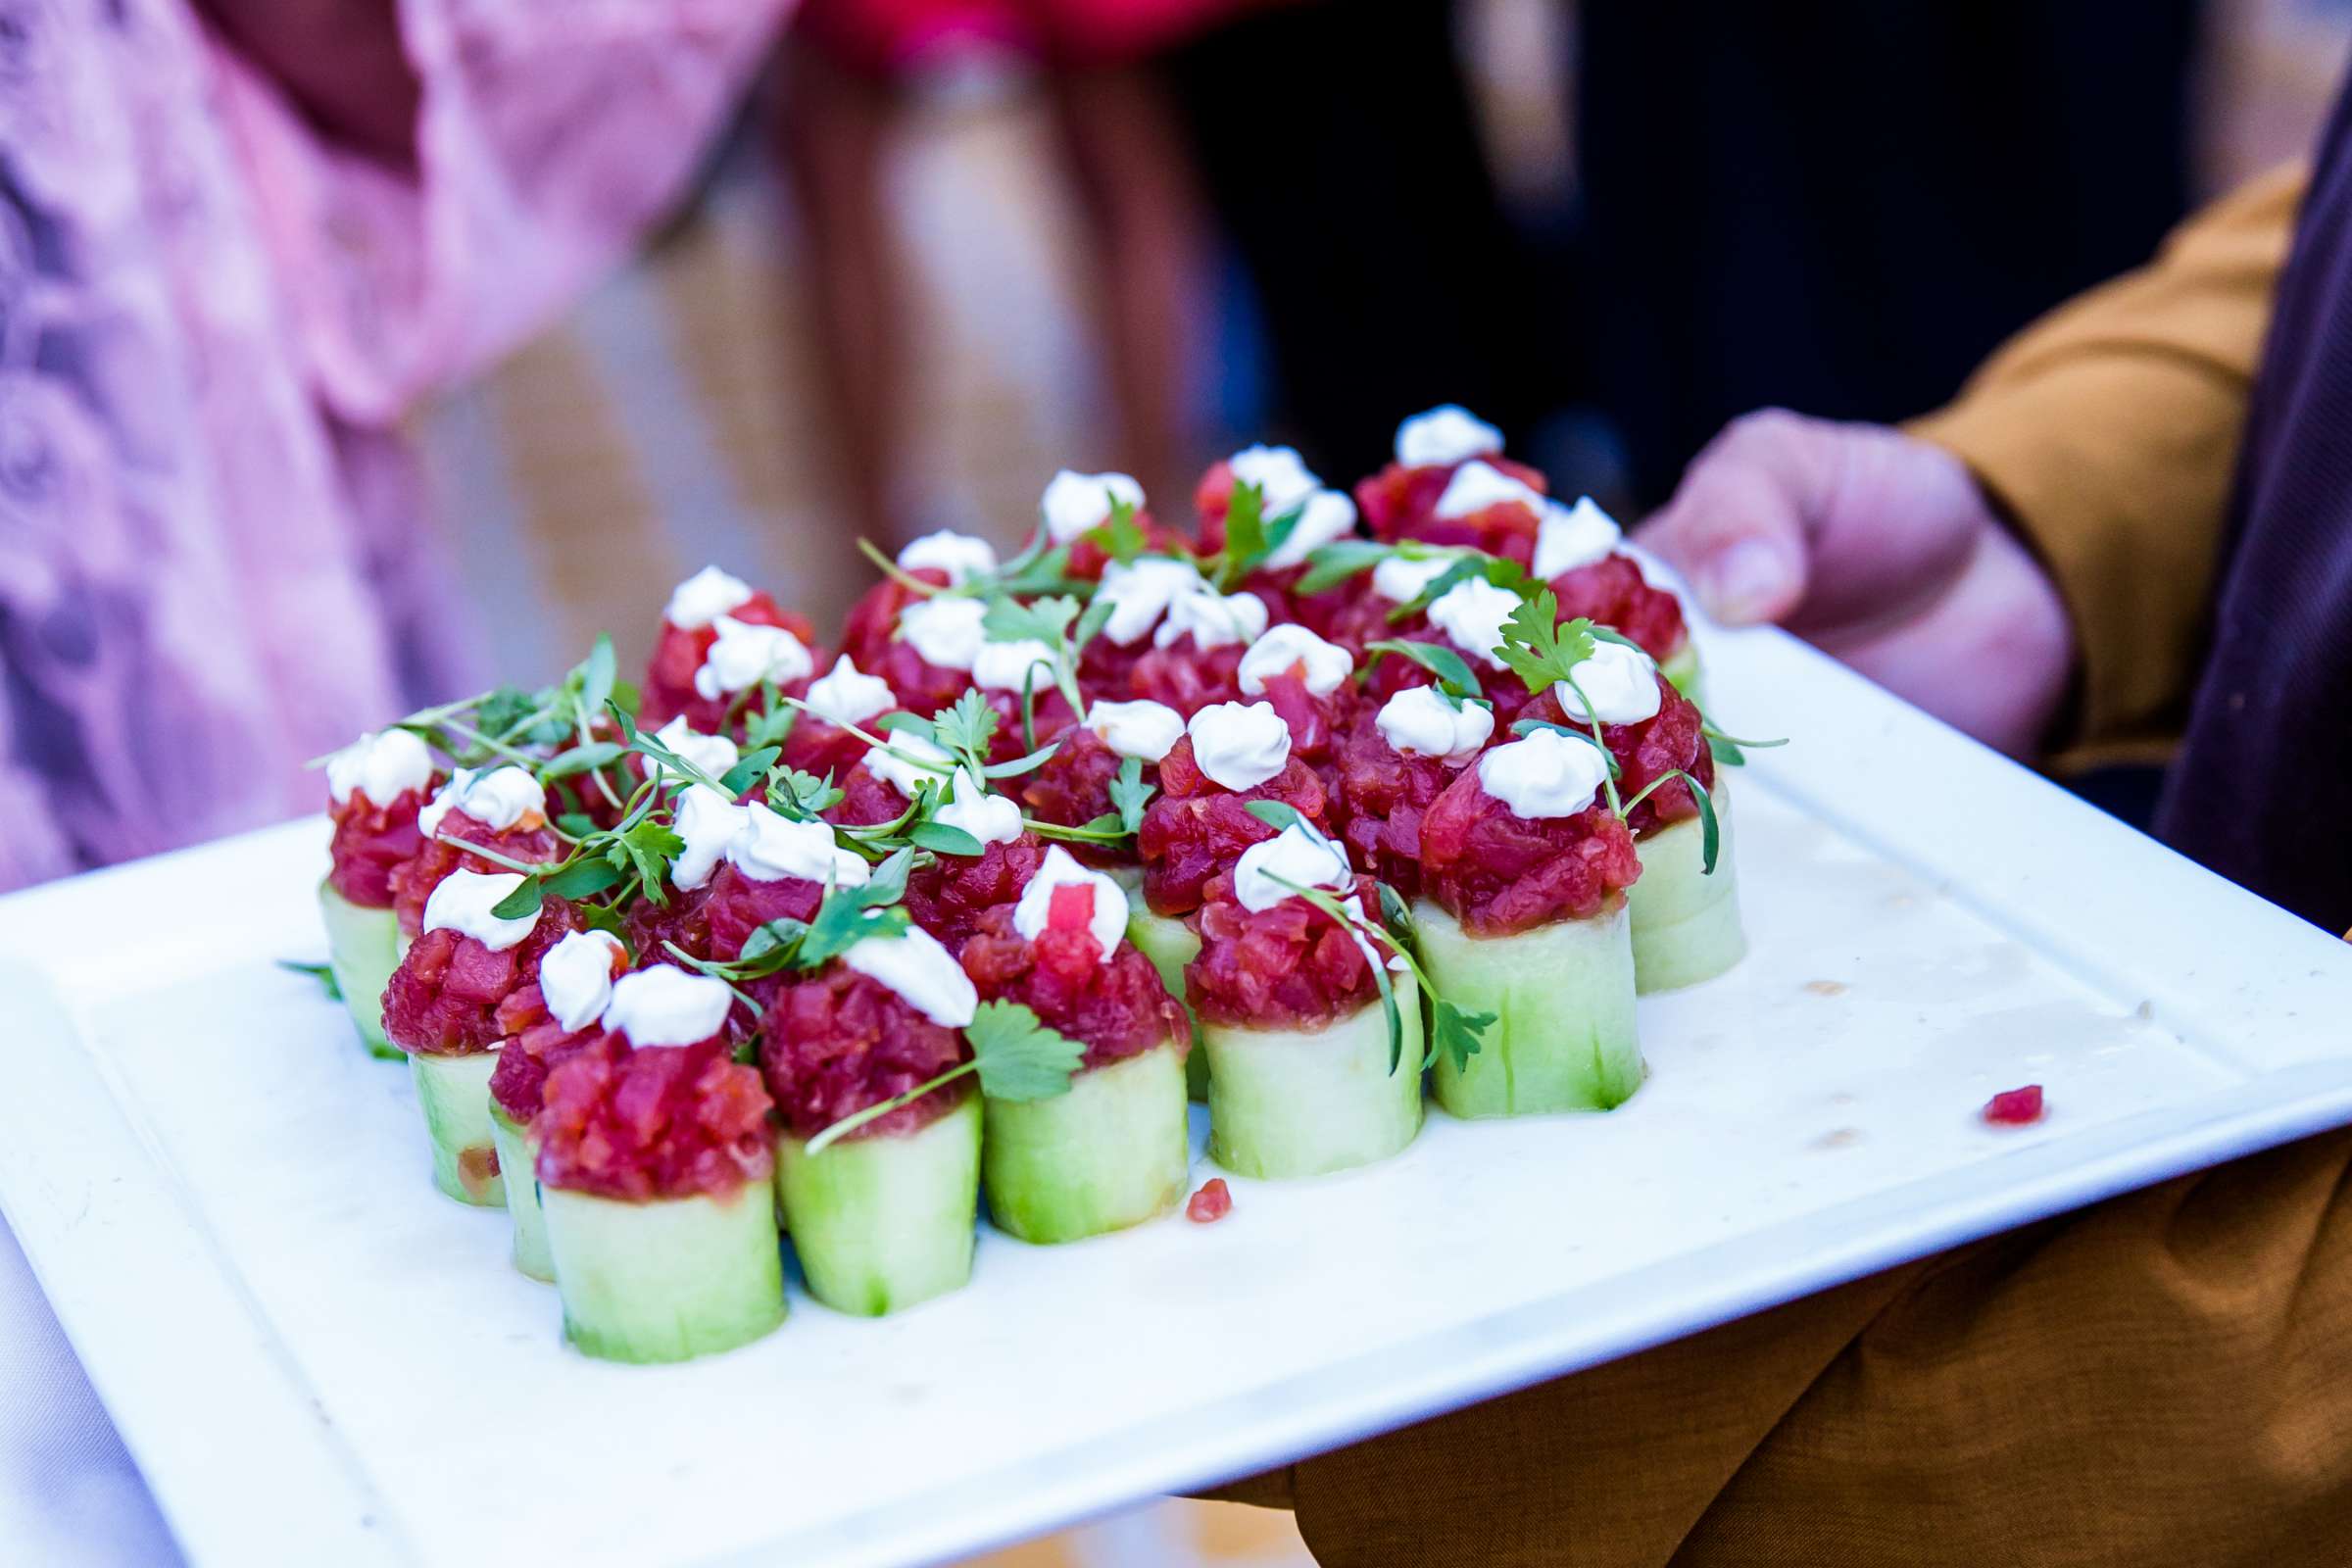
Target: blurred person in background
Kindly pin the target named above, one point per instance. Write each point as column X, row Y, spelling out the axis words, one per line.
column 2134, row 522
column 238, row 238
column 844, row 81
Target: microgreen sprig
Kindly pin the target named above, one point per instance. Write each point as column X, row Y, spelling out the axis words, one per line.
column 1017, row 1055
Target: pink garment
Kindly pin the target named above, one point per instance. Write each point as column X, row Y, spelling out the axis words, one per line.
column 888, row 36
column 211, row 557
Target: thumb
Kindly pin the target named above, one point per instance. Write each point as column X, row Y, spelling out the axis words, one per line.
column 1737, row 525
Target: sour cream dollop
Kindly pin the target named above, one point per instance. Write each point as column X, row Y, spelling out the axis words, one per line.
column 704, row 597
column 1444, row 435
column 1621, row 681
column 846, row 695
column 1078, row 503
column 1299, row 856
column 1212, row 618
column 960, row 555
column 946, row 631
column 900, row 764
column 1142, row 730
column 575, row 978
column 989, row 819
column 1008, row 667
column 1239, row 746
column 710, row 823
column 747, row 654
column 1476, row 486
column 1328, row 664
column 1471, row 614
column 664, row 1006
column 1282, row 476
column 463, row 901
column 1140, row 591
column 499, row 798
column 1401, row 579
column 923, row 975
column 1108, row 924
column 1420, row 722
column 1546, row 774
column 1575, row 536
column 382, row 766
column 1327, row 516
column 769, row 847
column 712, row 754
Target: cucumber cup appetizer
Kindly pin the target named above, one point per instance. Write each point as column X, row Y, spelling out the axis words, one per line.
column 545, row 1023
column 654, row 1170
column 1114, row 1149
column 375, row 788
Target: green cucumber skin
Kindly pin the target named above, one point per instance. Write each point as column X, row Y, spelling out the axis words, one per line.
column 884, row 1222
column 363, row 949
column 1683, row 674
column 1170, row 945
column 666, row 1280
column 518, row 1169
column 1686, row 922
column 455, row 1095
column 1285, row 1104
column 1564, row 1036
column 1113, row 1151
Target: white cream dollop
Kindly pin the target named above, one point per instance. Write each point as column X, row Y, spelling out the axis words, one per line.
column 575, row 978
column 901, row 764
column 1471, row 614
column 1299, row 856
column 1108, row 924
column 1077, row 503
column 1212, row 618
column 1546, row 774
column 461, row 901
column 498, row 797
column 769, row 847
column 712, row 754
column 1622, row 683
column 1282, row 478
column 1007, row 667
column 1476, row 486
column 382, row 766
column 1444, row 435
column 846, row 695
column 1327, row 516
column 945, row 630
column 703, row 598
column 922, row 972
column 747, row 654
column 1140, row 591
column 664, row 1006
column 1142, row 730
column 1239, row 746
column 1419, row 721
column 960, row 555
column 710, row 823
column 1399, row 579
column 989, row 819
column 1328, row 664
column 1569, row 537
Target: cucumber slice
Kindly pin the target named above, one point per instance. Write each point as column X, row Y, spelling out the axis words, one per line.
column 1563, row 1037
column 884, row 1222
column 1686, row 922
column 518, row 1169
column 454, row 1094
column 1285, row 1102
column 1113, row 1151
column 1683, row 674
column 666, row 1280
column 363, row 949
column 1170, row 945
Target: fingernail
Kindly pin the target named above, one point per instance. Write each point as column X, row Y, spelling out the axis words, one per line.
column 1744, row 581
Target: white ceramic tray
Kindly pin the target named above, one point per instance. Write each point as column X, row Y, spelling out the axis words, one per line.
column 316, row 1359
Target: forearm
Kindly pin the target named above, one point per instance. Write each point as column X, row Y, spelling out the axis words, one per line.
column 341, row 62
column 2109, row 430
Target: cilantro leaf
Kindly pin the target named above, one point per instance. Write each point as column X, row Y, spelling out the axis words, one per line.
column 1541, row 649
column 1044, row 620
column 1244, row 530
column 1020, row 1057
column 1458, row 1034
column 1129, row 794
column 793, row 792
column 966, row 727
column 1120, row 536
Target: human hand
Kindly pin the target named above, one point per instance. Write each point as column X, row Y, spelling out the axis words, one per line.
column 1882, row 551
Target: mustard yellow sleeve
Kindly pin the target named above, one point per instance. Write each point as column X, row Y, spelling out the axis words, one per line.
column 2110, row 429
